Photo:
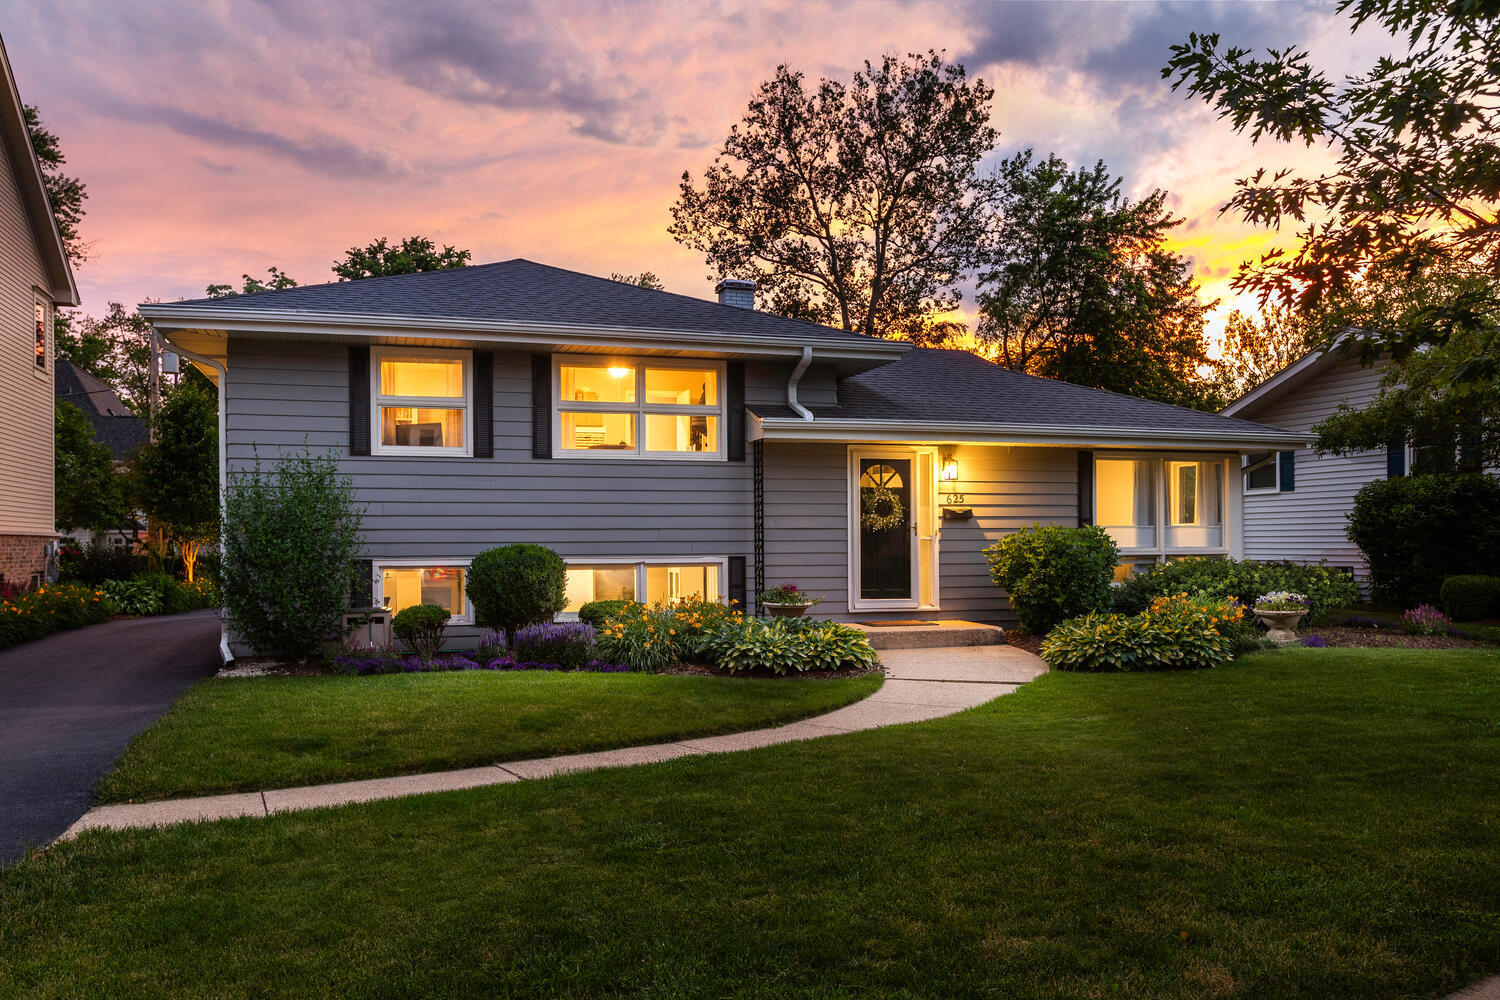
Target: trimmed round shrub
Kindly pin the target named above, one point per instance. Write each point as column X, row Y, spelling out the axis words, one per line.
column 596, row 613
column 1417, row 530
column 517, row 585
column 1470, row 597
column 1054, row 573
column 422, row 628
column 1327, row 588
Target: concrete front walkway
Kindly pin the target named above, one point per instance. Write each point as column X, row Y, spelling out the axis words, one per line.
column 920, row 684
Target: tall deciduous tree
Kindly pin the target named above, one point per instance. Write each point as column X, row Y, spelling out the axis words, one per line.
column 275, row 280
column 1079, row 285
column 1257, row 347
column 411, row 256
column 646, row 279
column 178, row 473
column 66, row 193
column 1414, row 189
column 115, row 348
column 854, row 204
column 90, row 493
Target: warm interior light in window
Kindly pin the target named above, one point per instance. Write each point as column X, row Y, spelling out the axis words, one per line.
column 617, row 372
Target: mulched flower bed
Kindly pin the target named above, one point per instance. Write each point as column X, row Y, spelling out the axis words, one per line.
column 1024, row 641
column 1381, row 638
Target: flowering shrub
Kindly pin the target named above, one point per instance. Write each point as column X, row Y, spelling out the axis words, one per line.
column 787, row 645
column 596, row 613
column 1424, row 619
column 693, row 617
column 1176, row 633
column 37, row 613
column 491, row 644
column 788, row 593
column 1283, row 600
column 1327, row 588
column 567, row 644
column 645, row 639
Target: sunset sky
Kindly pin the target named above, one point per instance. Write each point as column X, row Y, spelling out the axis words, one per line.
column 225, row 136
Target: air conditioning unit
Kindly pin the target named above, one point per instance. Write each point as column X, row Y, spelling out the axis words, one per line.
column 368, row 627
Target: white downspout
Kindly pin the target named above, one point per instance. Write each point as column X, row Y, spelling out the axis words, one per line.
column 791, row 385
column 223, row 381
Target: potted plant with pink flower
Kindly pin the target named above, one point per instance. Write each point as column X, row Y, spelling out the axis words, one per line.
column 787, row 601
column 1281, row 610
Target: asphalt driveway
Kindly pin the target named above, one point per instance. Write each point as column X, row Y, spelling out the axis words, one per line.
column 70, row 703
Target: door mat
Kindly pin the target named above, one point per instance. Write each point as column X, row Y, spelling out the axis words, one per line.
column 896, row 624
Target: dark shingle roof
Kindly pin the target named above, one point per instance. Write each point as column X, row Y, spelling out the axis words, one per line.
column 115, row 426
column 525, row 291
column 951, row 386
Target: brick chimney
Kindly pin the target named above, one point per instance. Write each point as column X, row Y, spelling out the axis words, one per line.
column 736, row 292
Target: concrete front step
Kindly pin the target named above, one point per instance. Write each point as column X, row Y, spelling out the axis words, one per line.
column 942, row 632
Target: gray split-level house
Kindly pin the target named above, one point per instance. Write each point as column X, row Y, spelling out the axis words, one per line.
column 667, row 445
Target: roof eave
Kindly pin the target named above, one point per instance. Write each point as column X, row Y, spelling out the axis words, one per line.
column 166, row 316
column 793, row 429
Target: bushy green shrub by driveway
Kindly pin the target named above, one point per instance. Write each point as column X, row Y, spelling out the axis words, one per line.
column 291, row 546
column 1470, row 597
column 422, row 628
column 1054, row 573
column 517, row 585
column 1326, row 587
column 1417, row 530
column 1175, row 633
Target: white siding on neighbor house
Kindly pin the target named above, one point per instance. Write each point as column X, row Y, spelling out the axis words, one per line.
column 25, row 390
column 1307, row 524
column 807, row 521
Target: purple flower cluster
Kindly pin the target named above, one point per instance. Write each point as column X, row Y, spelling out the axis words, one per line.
column 568, row 644
column 1314, row 641
column 1424, row 619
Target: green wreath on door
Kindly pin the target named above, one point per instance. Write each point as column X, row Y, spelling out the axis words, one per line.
column 882, row 509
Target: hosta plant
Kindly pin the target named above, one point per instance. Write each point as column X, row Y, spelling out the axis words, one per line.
column 1175, row 633
column 787, row 646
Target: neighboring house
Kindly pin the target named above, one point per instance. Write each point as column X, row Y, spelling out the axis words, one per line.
column 667, row 445
column 115, row 426
column 35, row 279
column 1297, row 504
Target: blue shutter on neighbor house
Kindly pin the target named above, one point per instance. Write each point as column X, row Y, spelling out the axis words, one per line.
column 1395, row 461
column 1085, row 488
column 734, row 414
column 484, row 404
column 359, row 400
column 541, row 406
column 1288, row 470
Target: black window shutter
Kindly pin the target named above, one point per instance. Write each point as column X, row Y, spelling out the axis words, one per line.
column 484, row 404
column 1395, row 460
column 541, row 406
column 734, row 396
column 363, row 594
column 1288, row 461
column 737, row 592
column 1085, row 488
column 359, row 400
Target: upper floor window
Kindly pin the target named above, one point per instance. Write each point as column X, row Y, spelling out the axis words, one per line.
column 41, row 336
column 660, row 409
column 1260, row 472
column 423, row 401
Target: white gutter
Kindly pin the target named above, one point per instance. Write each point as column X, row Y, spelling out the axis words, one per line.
column 793, row 429
column 791, row 385
column 223, row 385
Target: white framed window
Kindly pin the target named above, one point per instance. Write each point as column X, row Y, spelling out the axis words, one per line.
column 1262, row 472
column 423, row 401
column 637, row 408
column 666, row 580
column 1158, row 507
column 43, row 338
column 402, row 583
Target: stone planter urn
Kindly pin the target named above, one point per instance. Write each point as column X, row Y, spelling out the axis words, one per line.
column 1279, row 624
column 785, row 610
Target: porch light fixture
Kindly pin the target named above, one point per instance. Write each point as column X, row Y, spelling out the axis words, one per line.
column 947, row 467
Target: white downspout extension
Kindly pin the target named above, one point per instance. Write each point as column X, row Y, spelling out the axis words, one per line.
column 791, row 385
column 223, row 381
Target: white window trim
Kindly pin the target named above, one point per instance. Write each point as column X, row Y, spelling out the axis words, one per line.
column 1274, row 462
column 43, row 370
column 1161, row 551
column 640, row 563
column 639, row 408
column 378, row 354
column 377, row 582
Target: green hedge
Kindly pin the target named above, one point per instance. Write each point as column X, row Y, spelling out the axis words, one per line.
column 1052, row 573
column 1417, row 530
column 1470, row 597
column 38, row 613
column 1326, row 587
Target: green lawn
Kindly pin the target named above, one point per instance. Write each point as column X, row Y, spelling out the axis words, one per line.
column 1305, row 823
column 273, row 732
